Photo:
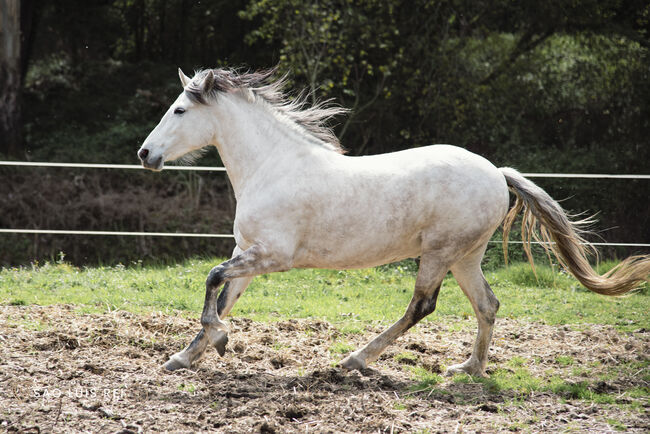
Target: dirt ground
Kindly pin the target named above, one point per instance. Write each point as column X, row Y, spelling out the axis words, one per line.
column 62, row 371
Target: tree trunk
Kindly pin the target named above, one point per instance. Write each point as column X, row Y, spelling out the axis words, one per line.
column 10, row 77
column 28, row 23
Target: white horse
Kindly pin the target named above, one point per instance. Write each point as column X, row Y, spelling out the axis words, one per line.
column 302, row 203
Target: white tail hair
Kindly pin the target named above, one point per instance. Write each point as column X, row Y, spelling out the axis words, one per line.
column 561, row 237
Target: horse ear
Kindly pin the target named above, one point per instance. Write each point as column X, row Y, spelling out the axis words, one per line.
column 208, row 82
column 184, row 78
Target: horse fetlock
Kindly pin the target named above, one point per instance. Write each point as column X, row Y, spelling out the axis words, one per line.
column 212, row 324
column 353, row 361
column 178, row 361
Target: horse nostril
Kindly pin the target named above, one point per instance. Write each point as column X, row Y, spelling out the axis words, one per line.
column 143, row 154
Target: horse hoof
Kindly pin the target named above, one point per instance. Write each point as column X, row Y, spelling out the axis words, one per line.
column 352, row 362
column 220, row 345
column 176, row 362
column 464, row 368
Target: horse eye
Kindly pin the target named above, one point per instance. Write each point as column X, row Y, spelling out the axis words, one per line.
column 179, row 111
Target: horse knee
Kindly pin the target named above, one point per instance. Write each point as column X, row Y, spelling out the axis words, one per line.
column 496, row 303
column 215, row 277
column 487, row 314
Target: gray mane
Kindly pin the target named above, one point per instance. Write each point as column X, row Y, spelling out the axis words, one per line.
column 311, row 117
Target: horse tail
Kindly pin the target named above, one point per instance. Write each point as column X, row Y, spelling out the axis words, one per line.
column 563, row 238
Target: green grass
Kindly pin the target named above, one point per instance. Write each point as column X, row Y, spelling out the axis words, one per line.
column 517, row 378
column 618, row 426
column 580, row 390
column 523, row 383
column 426, row 380
column 564, row 360
column 406, row 358
column 351, row 299
column 340, row 347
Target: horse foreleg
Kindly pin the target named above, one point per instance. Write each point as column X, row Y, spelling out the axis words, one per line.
column 215, row 333
column 227, row 297
column 485, row 304
column 423, row 302
column 237, row 274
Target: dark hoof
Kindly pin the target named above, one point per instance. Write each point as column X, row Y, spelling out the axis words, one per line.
column 220, row 345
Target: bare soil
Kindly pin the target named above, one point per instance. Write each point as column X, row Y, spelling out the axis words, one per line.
column 63, row 371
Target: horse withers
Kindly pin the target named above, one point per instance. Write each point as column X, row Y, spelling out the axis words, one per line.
column 302, row 203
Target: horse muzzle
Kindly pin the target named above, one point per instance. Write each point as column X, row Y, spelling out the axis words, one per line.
column 149, row 161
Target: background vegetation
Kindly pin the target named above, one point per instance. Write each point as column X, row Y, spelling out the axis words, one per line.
column 549, row 87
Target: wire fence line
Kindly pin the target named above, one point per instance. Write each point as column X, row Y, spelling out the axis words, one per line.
column 223, row 169
column 107, row 166
column 195, row 235
column 114, row 233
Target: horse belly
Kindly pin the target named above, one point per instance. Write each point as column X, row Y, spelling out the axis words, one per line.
column 357, row 250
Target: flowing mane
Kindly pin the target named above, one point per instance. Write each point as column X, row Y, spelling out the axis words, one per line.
column 298, row 110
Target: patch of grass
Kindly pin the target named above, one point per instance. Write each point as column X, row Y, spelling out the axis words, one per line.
column 426, row 380
column 579, row 371
column 29, row 323
column 637, row 369
column 279, row 346
column 190, row 388
column 639, row 392
column 406, row 357
column 352, row 328
column 517, row 362
column 463, row 378
column 340, row 347
column 17, row 302
column 564, row 360
column 353, row 298
column 518, row 379
column 522, row 274
column 577, row 390
column 618, row 426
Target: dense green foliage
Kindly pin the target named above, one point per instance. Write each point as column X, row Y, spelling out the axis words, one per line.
column 546, row 87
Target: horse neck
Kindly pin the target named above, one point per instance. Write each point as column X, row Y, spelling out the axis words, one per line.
column 250, row 138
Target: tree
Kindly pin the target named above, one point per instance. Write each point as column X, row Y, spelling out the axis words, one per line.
column 10, row 77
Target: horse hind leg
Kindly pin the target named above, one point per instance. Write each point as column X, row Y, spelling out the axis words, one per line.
column 469, row 276
column 423, row 302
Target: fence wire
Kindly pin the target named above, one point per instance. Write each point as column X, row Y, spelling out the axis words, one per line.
column 223, row 169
